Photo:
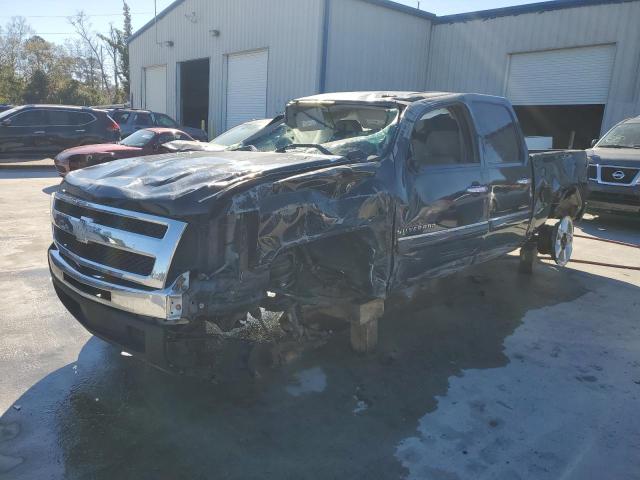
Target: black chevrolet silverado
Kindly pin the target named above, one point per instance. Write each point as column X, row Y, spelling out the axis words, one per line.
column 359, row 195
column 614, row 170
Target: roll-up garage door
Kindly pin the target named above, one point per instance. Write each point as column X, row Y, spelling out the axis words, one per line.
column 571, row 76
column 246, row 87
column 155, row 98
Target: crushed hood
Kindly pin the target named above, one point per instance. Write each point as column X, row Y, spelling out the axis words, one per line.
column 621, row 157
column 184, row 183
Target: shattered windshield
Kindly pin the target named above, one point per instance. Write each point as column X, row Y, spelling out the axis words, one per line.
column 626, row 135
column 340, row 129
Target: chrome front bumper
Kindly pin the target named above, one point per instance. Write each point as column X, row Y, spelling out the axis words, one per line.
column 166, row 304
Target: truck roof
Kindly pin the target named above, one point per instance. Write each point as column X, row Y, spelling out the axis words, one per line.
column 387, row 96
column 373, row 96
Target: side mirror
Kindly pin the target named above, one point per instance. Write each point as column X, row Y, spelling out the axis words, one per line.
column 594, row 141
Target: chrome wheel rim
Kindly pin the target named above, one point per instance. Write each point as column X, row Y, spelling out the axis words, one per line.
column 563, row 242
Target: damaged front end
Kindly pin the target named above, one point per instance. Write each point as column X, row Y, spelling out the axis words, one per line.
column 198, row 287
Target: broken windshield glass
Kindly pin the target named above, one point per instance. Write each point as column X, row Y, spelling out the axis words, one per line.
column 342, row 129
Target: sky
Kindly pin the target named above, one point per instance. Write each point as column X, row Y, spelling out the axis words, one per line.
column 48, row 17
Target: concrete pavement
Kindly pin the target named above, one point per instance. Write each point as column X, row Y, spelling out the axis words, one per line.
column 486, row 375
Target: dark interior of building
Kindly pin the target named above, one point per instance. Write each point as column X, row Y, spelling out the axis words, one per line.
column 194, row 93
column 571, row 126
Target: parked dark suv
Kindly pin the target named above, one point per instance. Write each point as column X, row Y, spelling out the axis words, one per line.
column 131, row 120
column 53, row 128
column 614, row 170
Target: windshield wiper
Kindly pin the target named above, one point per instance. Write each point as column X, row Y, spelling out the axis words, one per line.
column 317, row 146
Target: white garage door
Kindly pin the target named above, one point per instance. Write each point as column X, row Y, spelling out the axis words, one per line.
column 246, row 87
column 155, row 98
column 571, row 76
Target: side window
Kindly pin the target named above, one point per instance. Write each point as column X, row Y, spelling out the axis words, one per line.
column 81, row 118
column 30, row 118
column 121, row 117
column 165, row 121
column 59, row 118
column 441, row 137
column 142, row 120
column 498, row 128
column 182, row 136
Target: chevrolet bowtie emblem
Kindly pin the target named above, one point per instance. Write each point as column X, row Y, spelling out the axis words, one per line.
column 82, row 228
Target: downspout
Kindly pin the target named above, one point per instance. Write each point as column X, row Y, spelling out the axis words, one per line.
column 325, row 46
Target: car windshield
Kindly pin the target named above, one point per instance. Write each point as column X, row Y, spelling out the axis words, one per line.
column 240, row 133
column 138, row 139
column 626, row 135
column 340, row 129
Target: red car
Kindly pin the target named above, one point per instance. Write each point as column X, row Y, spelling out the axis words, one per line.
column 149, row 141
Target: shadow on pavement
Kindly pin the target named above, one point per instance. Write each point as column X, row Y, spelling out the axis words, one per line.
column 622, row 228
column 18, row 173
column 331, row 414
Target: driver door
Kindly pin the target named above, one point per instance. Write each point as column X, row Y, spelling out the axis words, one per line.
column 441, row 226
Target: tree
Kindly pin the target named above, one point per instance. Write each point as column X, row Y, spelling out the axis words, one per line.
column 96, row 54
column 37, row 89
column 127, row 31
column 114, row 43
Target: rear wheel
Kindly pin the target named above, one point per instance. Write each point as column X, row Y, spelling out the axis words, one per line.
column 562, row 238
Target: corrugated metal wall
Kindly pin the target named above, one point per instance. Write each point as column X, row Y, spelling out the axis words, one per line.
column 375, row 48
column 290, row 29
column 473, row 56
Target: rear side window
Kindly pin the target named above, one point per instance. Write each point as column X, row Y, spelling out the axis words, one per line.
column 498, row 128
column 142, row 120
column 165, row 121
column 30, row 118
column 81, row 118
column 441, row 137
column 121, row 117
column 68, row 118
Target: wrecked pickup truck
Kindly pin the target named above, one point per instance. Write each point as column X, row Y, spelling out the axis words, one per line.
column 359, row 195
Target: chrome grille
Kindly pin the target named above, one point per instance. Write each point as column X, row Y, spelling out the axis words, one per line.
column 123, row 244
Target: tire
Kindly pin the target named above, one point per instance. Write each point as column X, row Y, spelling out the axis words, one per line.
column 561, row 246
column 528, row 256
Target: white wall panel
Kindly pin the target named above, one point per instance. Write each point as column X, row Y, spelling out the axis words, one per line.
column 372, row 47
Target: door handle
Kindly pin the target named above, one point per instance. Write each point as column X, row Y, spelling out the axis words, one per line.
column 523, row 181
column 477, row 189
column 39, row 132
column 80, row 131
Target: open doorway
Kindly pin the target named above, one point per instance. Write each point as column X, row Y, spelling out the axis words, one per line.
column 194, row 93
column 561, row 126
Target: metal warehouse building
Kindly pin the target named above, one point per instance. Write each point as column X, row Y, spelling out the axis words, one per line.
column 571, row 67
